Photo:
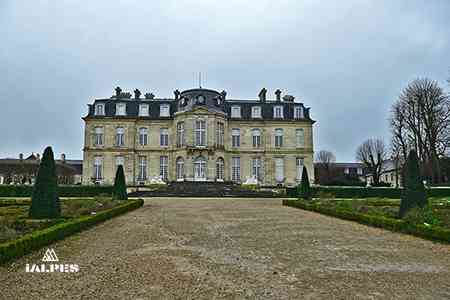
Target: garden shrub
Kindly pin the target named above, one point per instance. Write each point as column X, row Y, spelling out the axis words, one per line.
column 44, row 200
column 63, row 190
column 304, row 190
column 413, row 194
column 421, row 215
column 120, row 187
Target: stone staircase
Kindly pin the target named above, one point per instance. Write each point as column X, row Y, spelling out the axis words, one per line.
column 203, row 189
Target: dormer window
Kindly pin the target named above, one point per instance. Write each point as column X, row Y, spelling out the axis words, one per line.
column 183, row 101
column 278, row 112
column 218, row 101
column 121, row 109
column 143, row 110
column 235, row 111
column 298, row 112
column 100, row 109
column 164, row 110
column 200, row 99
column 256, row 111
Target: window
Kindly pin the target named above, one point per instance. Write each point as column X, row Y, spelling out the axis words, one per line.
column 220, row 169
column 100, row 109
column 120, row 136
column 256, row 111
column 180, row 134
column 235, row 137
column 121, row 109
column 278, row 137
column 143, row 136
column 142, row 176
column 200, row 133
column 346, row 171
column 298, row 112
column 200, row 99
column 278, row 112
column 143, row 110
column 180, row 168
column 299, row 162
column 164, row 137
column 359, row 171
column 279, row 169
column 98, row 168
column 256, row 138
column 235, row 168
column 120, row 161
column 163, row 167
column 235, row 111
column 164, row 110
column 300, row 136
column 98, row 136
column 256, row 168
column 220, row 132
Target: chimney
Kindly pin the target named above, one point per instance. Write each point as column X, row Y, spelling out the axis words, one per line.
column 21, row 156
column 262, row 95
column 278, row 94
column 177, row 94
column 63, row 158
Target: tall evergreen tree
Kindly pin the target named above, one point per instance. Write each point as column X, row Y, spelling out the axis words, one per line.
column 120, row 188
column 45, row 201
column 304, row 190
column 413, row 193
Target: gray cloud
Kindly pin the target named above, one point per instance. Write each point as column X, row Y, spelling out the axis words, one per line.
column 348, row 60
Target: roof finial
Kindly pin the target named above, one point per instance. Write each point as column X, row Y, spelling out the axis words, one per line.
column 200, row 79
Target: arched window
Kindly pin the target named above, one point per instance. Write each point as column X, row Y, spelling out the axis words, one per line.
column 200, row 168
column 180, row 168
column 256, row 138
column 220, row 168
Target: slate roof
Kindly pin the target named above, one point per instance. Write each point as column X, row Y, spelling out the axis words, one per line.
column 211, row 96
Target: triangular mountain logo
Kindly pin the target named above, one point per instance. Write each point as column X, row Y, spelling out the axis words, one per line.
column 50, row 255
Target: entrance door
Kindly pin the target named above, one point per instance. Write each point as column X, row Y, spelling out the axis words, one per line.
column 200, row 169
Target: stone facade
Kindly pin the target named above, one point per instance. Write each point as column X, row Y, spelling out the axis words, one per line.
column 198, row 152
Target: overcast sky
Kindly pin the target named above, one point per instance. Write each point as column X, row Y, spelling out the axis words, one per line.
column 347, row 60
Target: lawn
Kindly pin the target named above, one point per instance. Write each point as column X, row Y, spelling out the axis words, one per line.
column 14, row 220
column 386, row 207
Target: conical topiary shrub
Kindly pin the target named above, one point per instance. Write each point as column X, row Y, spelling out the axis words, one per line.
column 304, row 189
column 413, row 193
column 44, row 200
column 120, row 188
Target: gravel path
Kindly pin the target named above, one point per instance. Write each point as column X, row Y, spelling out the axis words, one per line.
column 235, row 249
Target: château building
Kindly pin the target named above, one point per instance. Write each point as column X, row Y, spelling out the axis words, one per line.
column 199, row 135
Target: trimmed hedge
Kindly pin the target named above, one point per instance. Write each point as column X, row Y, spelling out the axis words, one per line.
column 29, row 242
column 428, row 232
column 63, row 190
column 365, row 192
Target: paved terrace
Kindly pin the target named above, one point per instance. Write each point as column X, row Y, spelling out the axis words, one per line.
column 235, row 249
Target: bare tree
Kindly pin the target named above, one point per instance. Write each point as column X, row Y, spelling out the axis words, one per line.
column 372, row 153
column 325, row 160
column 420, row 120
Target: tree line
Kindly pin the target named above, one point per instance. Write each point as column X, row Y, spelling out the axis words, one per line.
column 419, row 120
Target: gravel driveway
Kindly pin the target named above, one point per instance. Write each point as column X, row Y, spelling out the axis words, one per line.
column 235, row 249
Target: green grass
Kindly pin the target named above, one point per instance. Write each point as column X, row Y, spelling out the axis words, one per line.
column 14, row 220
